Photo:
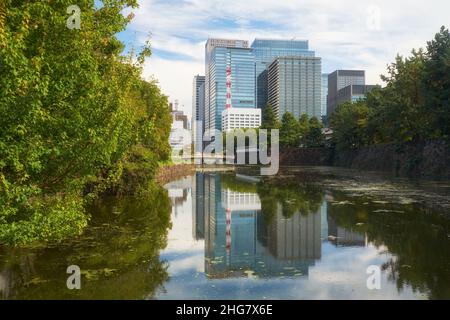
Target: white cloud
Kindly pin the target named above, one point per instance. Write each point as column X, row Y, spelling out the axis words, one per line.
column 174, row 77
column 338, row 32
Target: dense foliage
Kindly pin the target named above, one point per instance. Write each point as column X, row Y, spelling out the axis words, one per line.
column 75, row 115
column 305, row 132
column 413, row 106
column 118, row 254
column 269, row 119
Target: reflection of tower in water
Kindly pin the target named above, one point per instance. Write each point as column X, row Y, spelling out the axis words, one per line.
column 198, row 206
column 178, row 193
column 209, row 213
column 239, row 241
column 296, row 237
column 344, row 237
column 228, row 235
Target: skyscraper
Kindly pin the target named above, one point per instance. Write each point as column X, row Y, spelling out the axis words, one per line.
column 324, row 94
column 198, row 109
column 353, row 93
column 265, row 50
column 222, row 55
column 294, row 85
column 338, row 80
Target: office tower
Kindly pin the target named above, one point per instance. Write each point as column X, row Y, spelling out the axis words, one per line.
column 353, row 93
column 198, row 109
column 265, row 50
column 338, row 80
column 240, row 118
column 294, row 85
column 324, row 94
column 236, row 57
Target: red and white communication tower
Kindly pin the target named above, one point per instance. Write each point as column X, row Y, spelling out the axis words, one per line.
column 228, row 104
column 228, row 233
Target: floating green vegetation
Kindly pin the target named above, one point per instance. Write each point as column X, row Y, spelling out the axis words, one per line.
column 118, row 254
column 293, row 197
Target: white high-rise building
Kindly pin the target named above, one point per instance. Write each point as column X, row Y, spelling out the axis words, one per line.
column 240, row 118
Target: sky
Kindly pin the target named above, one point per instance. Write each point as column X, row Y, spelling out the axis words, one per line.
column 346, row 34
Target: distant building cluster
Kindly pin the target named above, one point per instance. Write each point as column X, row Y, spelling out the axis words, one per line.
column 180, row 134
column 241, row 80
column 346, row 85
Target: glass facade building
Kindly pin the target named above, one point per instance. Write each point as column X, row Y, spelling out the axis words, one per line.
column 295, row 86
column 324, row 94
column 221, row 54
column 198, row 108
column 265, row 51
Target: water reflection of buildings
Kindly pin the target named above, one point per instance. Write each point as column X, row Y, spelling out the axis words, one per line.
column 298, row 237
column 198, row 207
column 238, row 241
column 344, row 237
column 178, row 193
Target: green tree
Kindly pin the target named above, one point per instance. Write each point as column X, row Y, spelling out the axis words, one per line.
column 73, row 113
column 349, row 123
column 437, row 84
column 314, row 136
column 269, row 119
column 303, row 123
column 289, row 131
column 401, row 113
column 269, row 122
column 413, row 106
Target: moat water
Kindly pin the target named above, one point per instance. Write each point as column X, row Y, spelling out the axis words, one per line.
column 212, row 236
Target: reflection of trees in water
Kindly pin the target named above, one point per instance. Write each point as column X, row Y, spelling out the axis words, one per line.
column 118, row 255
column 264, row 238
column 417, row 238
column 15, row 272
column 229, row 181
column 293, row 198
